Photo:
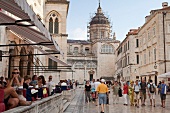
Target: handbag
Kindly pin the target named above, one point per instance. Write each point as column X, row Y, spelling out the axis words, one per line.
column 120, row 92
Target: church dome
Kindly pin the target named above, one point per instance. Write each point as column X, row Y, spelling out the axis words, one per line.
column 99, row 18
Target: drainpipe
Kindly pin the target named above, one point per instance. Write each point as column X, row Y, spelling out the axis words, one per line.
column 164, row 14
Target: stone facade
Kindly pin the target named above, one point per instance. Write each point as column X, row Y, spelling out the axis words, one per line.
column 57, row 11
column 150, row 47
column 94, row 58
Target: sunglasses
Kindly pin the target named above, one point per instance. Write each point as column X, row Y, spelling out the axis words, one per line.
column 50, row 78
column 15, row 72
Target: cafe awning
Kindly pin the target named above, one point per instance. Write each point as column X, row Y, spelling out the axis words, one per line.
column 22, row 10
column 49, row 56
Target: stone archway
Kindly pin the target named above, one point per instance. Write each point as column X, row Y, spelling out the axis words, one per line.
column 91, row 73
column 13, row 60
column 30, row 64
column 23, row 62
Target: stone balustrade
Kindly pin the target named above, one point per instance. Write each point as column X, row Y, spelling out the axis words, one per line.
column 51, row 104
column 68, row 94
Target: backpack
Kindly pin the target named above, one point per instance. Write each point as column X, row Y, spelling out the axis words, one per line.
column 152, row 88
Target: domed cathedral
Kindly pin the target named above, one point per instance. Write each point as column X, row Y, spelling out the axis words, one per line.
column 94, row 58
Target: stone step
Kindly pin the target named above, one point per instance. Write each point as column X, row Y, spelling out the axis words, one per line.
column 64, row 101
column 66, row 105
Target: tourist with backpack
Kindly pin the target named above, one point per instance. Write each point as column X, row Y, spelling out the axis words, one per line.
column 152, row 92
column 136, row 94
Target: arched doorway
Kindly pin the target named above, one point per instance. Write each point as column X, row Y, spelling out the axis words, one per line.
column 30, row 64
column 91, row 73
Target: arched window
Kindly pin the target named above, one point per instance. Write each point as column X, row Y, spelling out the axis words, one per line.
column 56, row 26
column 87, row 50
column 76, row 50
column 51, row 25
column 91, row 65
column 79, row 65
column 107, row 49
column 54, row 23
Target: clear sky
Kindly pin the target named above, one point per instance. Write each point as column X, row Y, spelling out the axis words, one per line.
column 124, row 15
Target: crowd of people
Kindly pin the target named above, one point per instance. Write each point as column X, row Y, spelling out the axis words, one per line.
column 134, row 91
column 13, row 88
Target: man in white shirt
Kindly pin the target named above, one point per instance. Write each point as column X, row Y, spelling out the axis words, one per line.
column 151, row 92
column 96, row 85
column 51, row 85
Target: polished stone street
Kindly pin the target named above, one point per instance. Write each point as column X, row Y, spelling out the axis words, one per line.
column 78, row 106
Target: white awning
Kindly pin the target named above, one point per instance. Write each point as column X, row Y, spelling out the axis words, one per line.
column 25, row 32
column 21, row 9
column 148, row 74
column 165, row 75
column 50, row 56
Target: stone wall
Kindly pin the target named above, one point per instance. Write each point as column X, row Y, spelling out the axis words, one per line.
column 52, row 104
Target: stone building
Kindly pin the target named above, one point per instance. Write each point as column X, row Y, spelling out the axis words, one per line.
column 93, row 58
column 28, row 58
column 150, row 47
column 127, row 58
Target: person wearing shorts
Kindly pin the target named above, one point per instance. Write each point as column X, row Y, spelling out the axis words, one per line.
column 102, row 91
column 136, row 94
column 143, row 86
column 151, row 92
column 163, row 90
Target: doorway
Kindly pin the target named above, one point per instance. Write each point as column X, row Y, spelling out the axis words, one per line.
column 91, row 77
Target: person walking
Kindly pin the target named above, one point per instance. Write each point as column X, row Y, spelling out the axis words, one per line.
column 125, row 93
column 115, row 88
column 96, row 85
column 87, row 91
column 93, row 90
column 136, row 93
column 131, row 93
column 143, row 91
column 159, row 85
column 163, row 91
column 152, row 92
column 102, row 91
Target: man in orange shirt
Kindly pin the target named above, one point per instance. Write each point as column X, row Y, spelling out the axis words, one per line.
column 102, row 91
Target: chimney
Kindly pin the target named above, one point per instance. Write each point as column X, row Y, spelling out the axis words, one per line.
column 164, row 4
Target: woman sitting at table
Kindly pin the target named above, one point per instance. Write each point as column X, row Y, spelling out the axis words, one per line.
column 12, row 94
column 42, row 86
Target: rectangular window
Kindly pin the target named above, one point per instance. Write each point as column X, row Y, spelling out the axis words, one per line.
column 52, row 64
column 137, row 42
column 145, row 58
column 155, row 54
column 153, row 31
column 102, row 34
column 168, row 27
column 148, row 35
column 137, row 59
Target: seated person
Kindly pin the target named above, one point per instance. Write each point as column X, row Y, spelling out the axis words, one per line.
column 27, row 80
column 12, row 98
column 41, row 84
column 34, row 80
column 2, row 82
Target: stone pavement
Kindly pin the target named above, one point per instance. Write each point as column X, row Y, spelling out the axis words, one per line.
column 78, row 106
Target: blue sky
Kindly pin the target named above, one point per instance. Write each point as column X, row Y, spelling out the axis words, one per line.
column 124, row 15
